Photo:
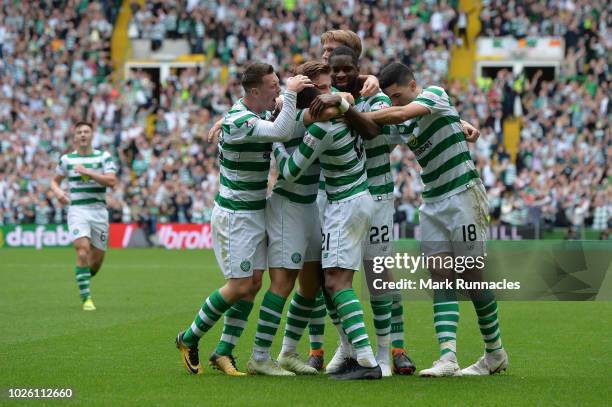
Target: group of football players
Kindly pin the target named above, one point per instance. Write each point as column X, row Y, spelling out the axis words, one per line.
column 331, row 212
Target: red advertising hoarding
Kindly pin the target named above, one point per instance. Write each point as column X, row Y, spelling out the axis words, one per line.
column 169, row 235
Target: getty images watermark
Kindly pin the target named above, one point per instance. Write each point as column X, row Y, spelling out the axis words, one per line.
column 404, row 262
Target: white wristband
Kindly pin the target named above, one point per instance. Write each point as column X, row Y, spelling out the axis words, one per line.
column 344, row 106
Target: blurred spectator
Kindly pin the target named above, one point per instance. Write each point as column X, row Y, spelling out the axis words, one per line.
column 55, row 69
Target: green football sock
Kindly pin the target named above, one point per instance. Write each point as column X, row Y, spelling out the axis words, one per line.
column 381, row 312
column 333, row 315
column 486, row 309
column 397, row 322
column 212, row 309
column 351, row 314
column 298, row 315
column 446, row 318
column 83, row 276
column 316, row 325
column 233, row 325
column 270, row 313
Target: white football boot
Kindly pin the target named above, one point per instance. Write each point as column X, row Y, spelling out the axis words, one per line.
column 342, row 353
column 384, row 361
column 293, row 363
column 488, row 364
column 446, row 366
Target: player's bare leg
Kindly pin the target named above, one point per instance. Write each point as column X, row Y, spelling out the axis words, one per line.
column 96, row 258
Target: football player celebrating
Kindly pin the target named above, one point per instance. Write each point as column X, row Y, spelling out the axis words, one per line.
column 90, row 172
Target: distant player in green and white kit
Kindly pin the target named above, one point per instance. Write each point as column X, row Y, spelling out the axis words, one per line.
column 453, row 216
column 89, row 173
column 345, row 222
column 238, row 218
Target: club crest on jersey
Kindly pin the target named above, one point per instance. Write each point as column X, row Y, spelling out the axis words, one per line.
column 412, row 141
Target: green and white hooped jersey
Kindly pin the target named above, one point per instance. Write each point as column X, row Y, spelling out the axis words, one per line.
column 304, row 189
column 341, row 157
column 380, row 179
column 83, row 190
column 438, row 142
column 244, row 166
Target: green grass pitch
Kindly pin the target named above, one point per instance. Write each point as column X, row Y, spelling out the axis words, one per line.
column 124, row 354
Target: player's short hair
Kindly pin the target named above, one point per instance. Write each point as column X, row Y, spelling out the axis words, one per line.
column 83, row 123
column 342, row 50
column 305, row 97
column 312, row 69
column 395, row 73
column 253, row 75
column 345, row 37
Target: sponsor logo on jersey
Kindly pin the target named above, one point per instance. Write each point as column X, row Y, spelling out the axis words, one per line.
column 419, row 151
column 378, row 106
column 310, row 141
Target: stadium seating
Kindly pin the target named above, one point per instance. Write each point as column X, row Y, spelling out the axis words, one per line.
column 57, row 69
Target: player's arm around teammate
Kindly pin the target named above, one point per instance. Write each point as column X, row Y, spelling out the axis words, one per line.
column 294, row 248
column 89, row 173
column 346, row 220
column 238, row 218
column 453, row 215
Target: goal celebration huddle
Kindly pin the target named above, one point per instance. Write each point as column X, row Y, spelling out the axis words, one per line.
column 330, row 213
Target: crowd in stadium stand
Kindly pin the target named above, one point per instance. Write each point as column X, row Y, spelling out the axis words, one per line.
column 59, row 71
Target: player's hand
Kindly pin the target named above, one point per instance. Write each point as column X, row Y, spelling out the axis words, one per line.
column 330, row 113
column 82, row 170
column 277, row 108
column 348, row 97
column 370, row 86
column 322, row 102
column 279, row 103
column 63, row 198
column 214, row 132
column 299, row 82
column 471, row 133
